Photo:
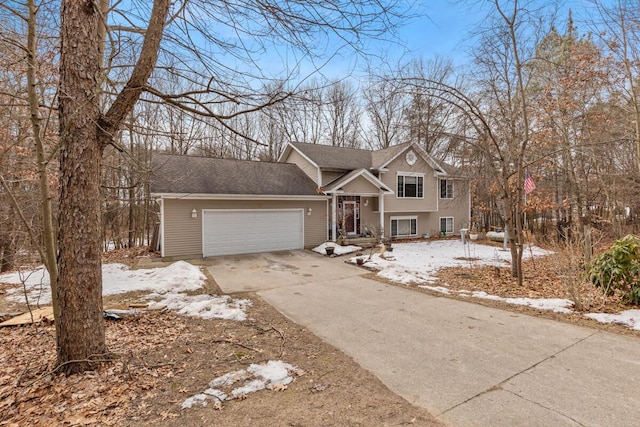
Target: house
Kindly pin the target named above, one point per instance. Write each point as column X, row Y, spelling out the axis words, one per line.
column 312, row 194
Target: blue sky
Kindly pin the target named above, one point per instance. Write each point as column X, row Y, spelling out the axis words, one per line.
column 445, row 29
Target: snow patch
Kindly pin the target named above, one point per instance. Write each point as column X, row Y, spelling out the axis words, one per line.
column 204, row 306
column 255, row 378
column 629, row 318
column 116, row 279
column 338, row 250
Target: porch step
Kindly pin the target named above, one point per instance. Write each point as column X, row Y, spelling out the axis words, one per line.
column 365, row 242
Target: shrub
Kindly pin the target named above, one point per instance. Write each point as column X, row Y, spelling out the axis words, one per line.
column 619, row 269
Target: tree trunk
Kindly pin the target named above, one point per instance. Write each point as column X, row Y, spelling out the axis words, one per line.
column 80, row 326
column 48, row 230
column 84, row 133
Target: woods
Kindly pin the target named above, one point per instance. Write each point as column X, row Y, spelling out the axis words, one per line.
column 90, row 90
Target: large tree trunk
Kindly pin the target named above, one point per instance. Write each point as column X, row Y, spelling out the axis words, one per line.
column 80, row 326
column 84, row 133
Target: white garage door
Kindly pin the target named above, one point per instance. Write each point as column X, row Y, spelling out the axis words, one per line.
column 228, row 232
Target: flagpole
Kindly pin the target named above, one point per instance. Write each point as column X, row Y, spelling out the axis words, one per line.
column 524, row 209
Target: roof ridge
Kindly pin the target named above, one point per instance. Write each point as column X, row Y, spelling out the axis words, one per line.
column 197, row 156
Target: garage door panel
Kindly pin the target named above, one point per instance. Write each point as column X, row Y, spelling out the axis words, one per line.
column 227, row 232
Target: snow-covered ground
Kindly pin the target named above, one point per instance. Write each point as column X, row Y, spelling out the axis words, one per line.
column 419, row 262
column 166, row 286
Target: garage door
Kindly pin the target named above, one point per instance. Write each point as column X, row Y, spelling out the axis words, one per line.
column 228, row 232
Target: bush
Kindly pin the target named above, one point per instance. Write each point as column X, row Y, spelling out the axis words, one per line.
column 619, row 269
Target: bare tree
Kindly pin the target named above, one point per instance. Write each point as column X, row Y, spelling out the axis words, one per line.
column 384, row 104
column 342, row 114
column 93, row 105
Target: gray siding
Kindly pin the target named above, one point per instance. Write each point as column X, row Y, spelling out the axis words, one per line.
column 307, row 168
column 330, row 176
column 428, row 203
column 183, row 234
column 360, row 185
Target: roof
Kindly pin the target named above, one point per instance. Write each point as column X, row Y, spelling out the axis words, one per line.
column 207, row 175
column 348, row 159
column 330, row 157
column 340, row 182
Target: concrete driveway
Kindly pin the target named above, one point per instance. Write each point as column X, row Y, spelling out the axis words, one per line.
column 469, row 365
column 258, row 272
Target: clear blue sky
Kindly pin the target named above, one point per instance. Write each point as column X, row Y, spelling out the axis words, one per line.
column 445, row 28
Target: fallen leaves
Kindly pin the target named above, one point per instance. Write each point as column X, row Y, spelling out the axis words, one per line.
column 31, row 394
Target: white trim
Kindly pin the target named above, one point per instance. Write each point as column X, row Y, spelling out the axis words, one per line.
column 334, row 217
column 425, row 156
column 204, row 196
column 410, row 210
column 162, row 233
column 414, row 174
column 453, row 224
column 202, row 212
column 356, row 215
column 289, row 145
column 366, row 175
column 453, row 189
column 381, row 212
column 304, row 156
column 403, row 218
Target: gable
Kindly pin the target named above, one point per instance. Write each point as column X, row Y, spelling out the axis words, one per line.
column 303, row 163
column 360, row 185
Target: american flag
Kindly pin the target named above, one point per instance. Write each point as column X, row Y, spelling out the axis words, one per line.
column 529, row 185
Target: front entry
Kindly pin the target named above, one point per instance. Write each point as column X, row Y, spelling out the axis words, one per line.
column 350, row 217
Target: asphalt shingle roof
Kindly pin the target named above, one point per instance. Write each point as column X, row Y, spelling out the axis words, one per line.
column 206, row 175
column 330, row 157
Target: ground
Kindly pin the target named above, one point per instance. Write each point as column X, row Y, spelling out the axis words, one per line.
column 163, row 358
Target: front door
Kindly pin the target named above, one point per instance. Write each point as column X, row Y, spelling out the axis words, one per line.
column 350, row 216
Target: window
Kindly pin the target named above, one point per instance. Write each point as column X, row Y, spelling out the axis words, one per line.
column 446, row 224
column 410, row 186
column 404, row 226
column 446, row 189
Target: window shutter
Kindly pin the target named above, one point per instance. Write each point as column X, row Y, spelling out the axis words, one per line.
column 400, row 186
column 420, row 186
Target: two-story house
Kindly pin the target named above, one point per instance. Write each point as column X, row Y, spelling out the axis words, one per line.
column 313, row 193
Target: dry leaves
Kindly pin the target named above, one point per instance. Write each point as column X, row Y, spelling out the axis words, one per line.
column 31, row 395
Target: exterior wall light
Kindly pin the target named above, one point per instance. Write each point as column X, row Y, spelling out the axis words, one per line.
column 309, row 211
column 194, row 214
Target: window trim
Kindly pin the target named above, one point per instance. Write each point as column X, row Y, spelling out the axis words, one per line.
column 403, row 218
column 418, row 186
column 440, row 189
column 453, row 224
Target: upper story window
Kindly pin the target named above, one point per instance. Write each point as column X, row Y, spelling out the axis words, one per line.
column 446, row 189
column 410, row 186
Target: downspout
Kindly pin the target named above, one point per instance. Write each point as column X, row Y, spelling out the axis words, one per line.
column 334, row 216
column 162, row 245
column 381, row 209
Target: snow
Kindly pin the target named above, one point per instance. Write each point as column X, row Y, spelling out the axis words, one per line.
column 554, row 304
column 255, row 378
column 338, row 250
column 418, row 262
column 203, row 306
column 116, row 279
column 629, row 318
column 166, row 286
